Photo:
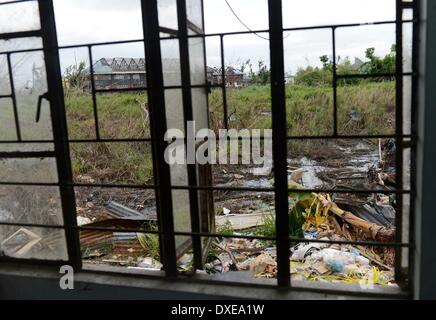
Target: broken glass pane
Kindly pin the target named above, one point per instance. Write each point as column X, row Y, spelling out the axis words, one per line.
column 30, row 204
column 33, row 243
column 42, row 170
column 30, row 83
column 22, row 16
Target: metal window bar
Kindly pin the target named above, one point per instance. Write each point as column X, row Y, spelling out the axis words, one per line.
column 155, row 89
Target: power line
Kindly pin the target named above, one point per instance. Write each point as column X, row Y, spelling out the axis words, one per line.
column 242, row 22
column 247, row 27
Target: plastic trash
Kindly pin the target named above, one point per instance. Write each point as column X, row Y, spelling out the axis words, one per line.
column 336, row 260
column 362, row 261
column 303, row 251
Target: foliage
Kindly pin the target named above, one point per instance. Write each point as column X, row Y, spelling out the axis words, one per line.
column 296, row 220
column 75, row 76
column 268, row 227
column 261, row 76
column 379, row 65
column 150, row 243
column 226, row 229
column 315, row 76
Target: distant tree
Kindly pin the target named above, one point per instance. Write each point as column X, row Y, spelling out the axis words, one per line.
column 314, row 76
column 75, row 76
column 377, row 64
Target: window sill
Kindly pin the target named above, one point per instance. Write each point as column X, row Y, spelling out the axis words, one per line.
column 106, row 284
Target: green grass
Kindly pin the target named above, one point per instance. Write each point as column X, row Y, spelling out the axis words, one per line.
column 121, row 116
column 309, row 111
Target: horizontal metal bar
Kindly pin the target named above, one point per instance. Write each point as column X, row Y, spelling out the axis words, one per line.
column 28, row 154
column 20, row 34
column 320, row 137
column 5, row 96
column 350, row 242
column 206, row 234
column 31, row 225
column 408, row 5
column 15, row 1
column 5, row 259
column 212, row 188
column 357, row 136
column 372, row 75
column 120, row 89
column 173, row 32
column 215, row 235
column 250, row 237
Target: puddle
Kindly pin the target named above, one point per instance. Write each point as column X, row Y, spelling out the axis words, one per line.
column 354, row 163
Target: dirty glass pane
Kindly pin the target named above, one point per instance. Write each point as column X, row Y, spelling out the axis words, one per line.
column 167, row 12
column 30, row 204
column 407, row 105
column 407, row 46
column 196, row 61
column 33, row 243
column 7, row 120
column 20, row 44
column 171, row 62
column 5, row 87
column 41, row 170
column 17, row 17
column 199, row 108
column 174, row 109
column 30, row 82
column 194, row 13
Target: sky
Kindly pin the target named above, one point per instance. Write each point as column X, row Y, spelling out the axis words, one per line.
column 88, row 21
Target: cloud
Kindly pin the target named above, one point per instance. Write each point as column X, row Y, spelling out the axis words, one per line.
column 87, row 21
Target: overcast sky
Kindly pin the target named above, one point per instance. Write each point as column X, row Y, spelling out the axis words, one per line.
column 83, row 21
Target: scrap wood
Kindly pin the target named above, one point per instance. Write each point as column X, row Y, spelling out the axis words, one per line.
column 226, row 251
column 241, row 221
column 374, row 257
column 376, row 231
column 238, row 250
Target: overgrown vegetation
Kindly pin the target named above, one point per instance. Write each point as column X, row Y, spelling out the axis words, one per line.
column 315, row 76
column 364, row 107
column 150, row 243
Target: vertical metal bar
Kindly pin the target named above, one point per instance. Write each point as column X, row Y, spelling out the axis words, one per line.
column 399, row 140
column 223, row 84
column 205, row 63
column 279, row 140
column 158, row 127
column 188, row 116
column 335, row 83
column 60, row 133
column 413, row 161
column 94, row 99
column 13, row 96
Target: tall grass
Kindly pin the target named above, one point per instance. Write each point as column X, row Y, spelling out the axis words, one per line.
column 309, row 111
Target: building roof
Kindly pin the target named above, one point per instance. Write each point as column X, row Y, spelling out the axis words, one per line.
column 118, row 65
